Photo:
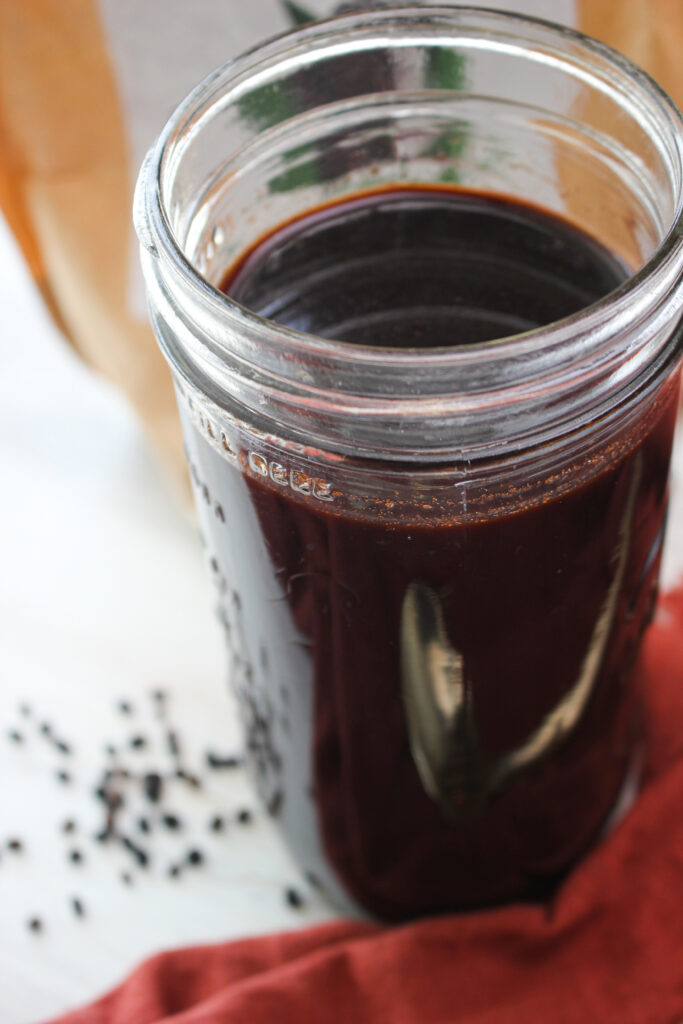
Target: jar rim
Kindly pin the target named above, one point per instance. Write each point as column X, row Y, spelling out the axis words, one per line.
column 593, row 326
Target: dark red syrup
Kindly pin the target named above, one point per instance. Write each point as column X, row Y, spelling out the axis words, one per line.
column 517, row 633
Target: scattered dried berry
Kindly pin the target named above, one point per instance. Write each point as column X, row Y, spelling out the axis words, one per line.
column 173, row 743
column 189, row 778
column 112, row 793
column 218, row 761
column 111, row 798
column 141, row 856
column 115, row 799
column 153, row 786
column 293, row 898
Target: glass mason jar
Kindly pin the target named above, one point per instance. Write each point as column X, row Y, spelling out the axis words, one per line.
column 434, row 566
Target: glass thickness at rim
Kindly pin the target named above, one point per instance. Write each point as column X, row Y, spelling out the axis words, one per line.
column 429, row 382
column 517, row 344
column 513, row 345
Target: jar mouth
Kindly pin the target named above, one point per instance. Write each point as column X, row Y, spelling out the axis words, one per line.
column 509, row 346
column 431, row 387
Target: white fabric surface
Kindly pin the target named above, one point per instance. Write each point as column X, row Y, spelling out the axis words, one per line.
column 104, row 594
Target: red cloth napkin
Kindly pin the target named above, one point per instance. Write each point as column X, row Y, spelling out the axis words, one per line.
column 609, row 948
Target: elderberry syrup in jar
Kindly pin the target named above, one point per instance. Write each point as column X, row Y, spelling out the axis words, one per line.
column 417, row 274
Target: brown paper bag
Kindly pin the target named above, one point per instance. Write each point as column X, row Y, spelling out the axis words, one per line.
column 85, row 86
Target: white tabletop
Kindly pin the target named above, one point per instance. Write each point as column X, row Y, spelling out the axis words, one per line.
column 105, row 597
